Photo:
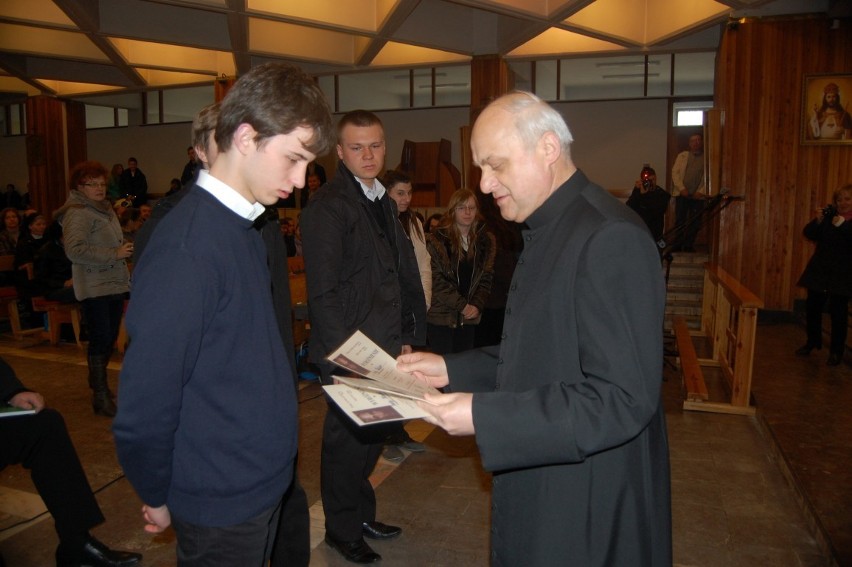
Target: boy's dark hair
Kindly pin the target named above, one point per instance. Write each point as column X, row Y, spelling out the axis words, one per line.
column 276, row 98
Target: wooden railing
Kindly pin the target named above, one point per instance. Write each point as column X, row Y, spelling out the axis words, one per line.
column 729, row 320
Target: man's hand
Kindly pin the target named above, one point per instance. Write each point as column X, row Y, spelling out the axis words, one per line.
column 28, row 400
column 426, row 366
column 470, row 311
column 156, row 519
column 451, row 412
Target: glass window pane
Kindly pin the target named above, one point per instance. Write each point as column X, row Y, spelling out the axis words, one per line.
column 694, row 73
column 452, row 86
column 181, row 105
column 659, row 74
column 326, row 84
column 122, row 117
column 15, row 126
column 603, row 78
column 100, row 116
column 689, row 118
column 545, row 79
column 521, row 72
column 153, row 103
column 374, row 91
column 422, row 87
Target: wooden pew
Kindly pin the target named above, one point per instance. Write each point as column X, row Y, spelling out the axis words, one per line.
column 729, row 320
column 693, row 378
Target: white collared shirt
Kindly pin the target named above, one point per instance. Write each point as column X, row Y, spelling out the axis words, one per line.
column 374, row 192
column 228, row 196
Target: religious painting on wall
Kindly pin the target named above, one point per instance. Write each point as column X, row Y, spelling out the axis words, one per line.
column 826, row 109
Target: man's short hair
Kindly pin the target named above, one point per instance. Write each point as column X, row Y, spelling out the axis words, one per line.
column 203, row 125
column 534, row 118
column 274, row 99
column 359, row 118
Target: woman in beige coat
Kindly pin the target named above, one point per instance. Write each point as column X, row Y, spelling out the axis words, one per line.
column 95, row 245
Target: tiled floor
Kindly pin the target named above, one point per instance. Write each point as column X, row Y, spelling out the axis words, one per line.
column 732, row 505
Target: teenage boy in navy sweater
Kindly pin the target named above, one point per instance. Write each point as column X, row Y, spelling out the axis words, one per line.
column 208, row 433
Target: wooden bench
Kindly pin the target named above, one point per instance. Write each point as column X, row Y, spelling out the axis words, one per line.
column 59, row 313
column 729, row 321
column 693, row 378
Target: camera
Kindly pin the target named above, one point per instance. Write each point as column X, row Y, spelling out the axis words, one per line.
column 829, row 211
column 646, row 183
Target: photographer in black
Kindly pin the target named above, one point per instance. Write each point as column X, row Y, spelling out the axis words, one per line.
column 828, row 275
column 650, row 201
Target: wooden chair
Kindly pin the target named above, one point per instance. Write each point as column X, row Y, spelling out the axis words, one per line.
column 57, row 313
column 9, row 299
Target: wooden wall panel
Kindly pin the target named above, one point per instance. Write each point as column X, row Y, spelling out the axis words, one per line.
column 760, row 72
column 46, row 153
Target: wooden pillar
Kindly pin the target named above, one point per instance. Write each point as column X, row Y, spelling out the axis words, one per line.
column 222, row 86
column 489, row 78
column 56, row 139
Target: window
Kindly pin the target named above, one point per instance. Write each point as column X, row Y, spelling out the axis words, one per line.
column 694, row 73
column 105, row 116
column 374, row 90
column 181, row 105
column 12, row 120
column 603, row 78
column 452, row 86
column 690, row 113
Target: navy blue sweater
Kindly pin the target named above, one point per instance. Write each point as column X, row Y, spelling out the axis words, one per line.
column 207, row 418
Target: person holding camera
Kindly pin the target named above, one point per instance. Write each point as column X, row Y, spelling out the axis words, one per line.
column 650, row 201
column 828, row 275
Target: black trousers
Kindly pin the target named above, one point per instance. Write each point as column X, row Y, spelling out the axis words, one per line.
column 838, row 309
column 349, row 455
column 688, row 218
column 103, row 317
column 293, row 540
column 448, row 340
column 41, row 444
column 246, row 544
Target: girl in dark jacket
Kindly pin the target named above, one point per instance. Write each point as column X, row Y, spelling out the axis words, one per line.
column 828, row 275
column 462, row 257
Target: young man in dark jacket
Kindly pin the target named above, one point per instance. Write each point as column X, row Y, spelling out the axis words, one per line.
column 361, row 274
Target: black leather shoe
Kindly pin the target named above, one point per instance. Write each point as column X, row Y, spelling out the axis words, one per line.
column 96, row 554
column 354, row 551
column 806, row 349
column 834, row 359
column 378, row 530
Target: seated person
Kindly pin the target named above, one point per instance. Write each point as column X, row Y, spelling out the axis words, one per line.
column 130, row 223
column 40, row 443
column 32, row 238
column 144, row 213
column 174, row 186
column 52, row 269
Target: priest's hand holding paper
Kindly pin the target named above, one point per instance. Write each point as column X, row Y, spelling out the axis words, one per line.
column 451, row 412
column 426, row 366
